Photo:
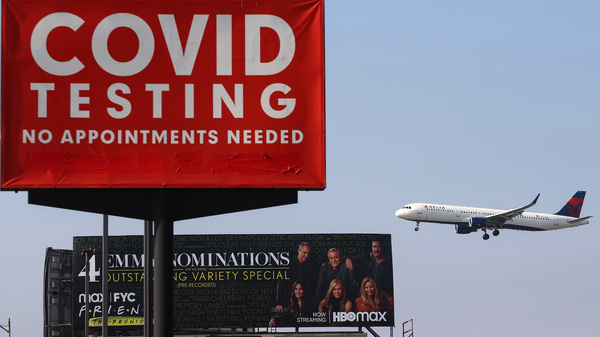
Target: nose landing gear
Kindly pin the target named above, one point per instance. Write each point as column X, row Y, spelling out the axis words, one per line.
column 417, row 228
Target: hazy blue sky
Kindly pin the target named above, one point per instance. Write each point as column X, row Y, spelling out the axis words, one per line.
column 480, row 103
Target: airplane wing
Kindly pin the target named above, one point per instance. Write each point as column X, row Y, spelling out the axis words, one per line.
column 498, row 219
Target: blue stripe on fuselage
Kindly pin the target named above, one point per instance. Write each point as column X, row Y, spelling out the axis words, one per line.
column 506, row 226
column 523, row 228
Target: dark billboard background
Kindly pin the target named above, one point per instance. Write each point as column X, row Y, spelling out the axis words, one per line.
column 236, row 281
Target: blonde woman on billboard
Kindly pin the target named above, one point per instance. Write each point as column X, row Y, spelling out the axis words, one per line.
column 371, row 299
column 335, row 300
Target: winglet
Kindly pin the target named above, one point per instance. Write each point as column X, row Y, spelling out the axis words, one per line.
column 535, row 200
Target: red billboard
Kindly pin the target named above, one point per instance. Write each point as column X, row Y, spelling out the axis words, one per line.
column 149, row 94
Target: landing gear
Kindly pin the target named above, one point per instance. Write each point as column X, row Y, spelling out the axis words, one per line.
column 417, row 228
column 486, row 236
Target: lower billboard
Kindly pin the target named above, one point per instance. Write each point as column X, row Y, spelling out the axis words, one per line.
column 246, row 281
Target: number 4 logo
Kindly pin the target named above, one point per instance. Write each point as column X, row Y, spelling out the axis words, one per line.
column 94, row 273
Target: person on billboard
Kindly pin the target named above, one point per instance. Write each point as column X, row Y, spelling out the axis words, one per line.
column 371, row 299
column 335, row 299
column 377, row 265
column 299, row 306
column 303, row 270
column 335, row 269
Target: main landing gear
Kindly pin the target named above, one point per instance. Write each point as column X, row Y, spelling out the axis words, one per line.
column 486, row 236
column 417, row 228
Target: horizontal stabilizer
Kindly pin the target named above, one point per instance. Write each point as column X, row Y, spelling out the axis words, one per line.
column 582, row 221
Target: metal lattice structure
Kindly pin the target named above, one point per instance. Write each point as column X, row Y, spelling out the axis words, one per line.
column 407, row 325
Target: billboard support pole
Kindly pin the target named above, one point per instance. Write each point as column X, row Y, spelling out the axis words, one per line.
column 87, row 294
column 371, row 331
column 163, row 266
column 88, row 253
column 148, row 238
column 105, row 275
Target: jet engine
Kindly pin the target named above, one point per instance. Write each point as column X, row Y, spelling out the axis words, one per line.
column 477, row 222
column 464, row 229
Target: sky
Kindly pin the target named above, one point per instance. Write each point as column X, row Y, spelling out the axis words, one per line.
column 479, row 103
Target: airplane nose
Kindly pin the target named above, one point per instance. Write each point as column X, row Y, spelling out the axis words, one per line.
column 399, row 213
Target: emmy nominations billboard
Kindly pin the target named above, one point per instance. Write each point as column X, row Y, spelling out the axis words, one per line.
column 167, row 93
column 246, row 281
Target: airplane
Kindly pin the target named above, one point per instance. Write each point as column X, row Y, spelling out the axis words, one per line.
column 467, row 220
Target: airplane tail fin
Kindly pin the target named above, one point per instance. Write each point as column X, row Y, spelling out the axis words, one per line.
column 573, row 207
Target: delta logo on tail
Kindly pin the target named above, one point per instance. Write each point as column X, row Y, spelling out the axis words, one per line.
column 573, row 206
column 467, row 220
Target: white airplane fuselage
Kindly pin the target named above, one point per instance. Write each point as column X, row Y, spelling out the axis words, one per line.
column 460, row 215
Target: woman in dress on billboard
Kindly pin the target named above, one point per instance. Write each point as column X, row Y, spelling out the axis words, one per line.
column 300, row 306
column 372, row 299
column 335, row 299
